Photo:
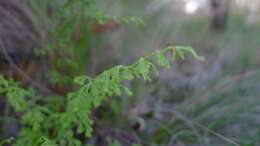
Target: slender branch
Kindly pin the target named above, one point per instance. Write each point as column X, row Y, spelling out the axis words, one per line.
column 21, row 72
column 183, row 117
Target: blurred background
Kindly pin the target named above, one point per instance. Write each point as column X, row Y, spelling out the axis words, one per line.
column 220, row 94
column 212, row 103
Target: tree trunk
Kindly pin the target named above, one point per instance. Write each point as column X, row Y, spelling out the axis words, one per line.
column 219, row 14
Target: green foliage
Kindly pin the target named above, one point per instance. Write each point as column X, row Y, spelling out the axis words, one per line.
column 53, row 120
column 69, row 37
column 14, row 94
column 6, row 141
column 46, row 126
column 71, row 27
column 162, row 60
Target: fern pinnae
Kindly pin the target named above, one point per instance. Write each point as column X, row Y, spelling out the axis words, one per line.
column 80, row 103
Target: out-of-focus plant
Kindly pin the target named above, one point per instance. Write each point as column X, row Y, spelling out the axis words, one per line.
column 72, row 27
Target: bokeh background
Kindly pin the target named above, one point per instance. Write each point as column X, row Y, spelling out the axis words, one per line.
column 221, row 94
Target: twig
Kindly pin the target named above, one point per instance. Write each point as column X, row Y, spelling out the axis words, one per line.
column 190, row 122
column 21, row 72
column 217, row 134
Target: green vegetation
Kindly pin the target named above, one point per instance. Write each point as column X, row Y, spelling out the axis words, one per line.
column 46, row 125
column 97, row 96
column 51, row 120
